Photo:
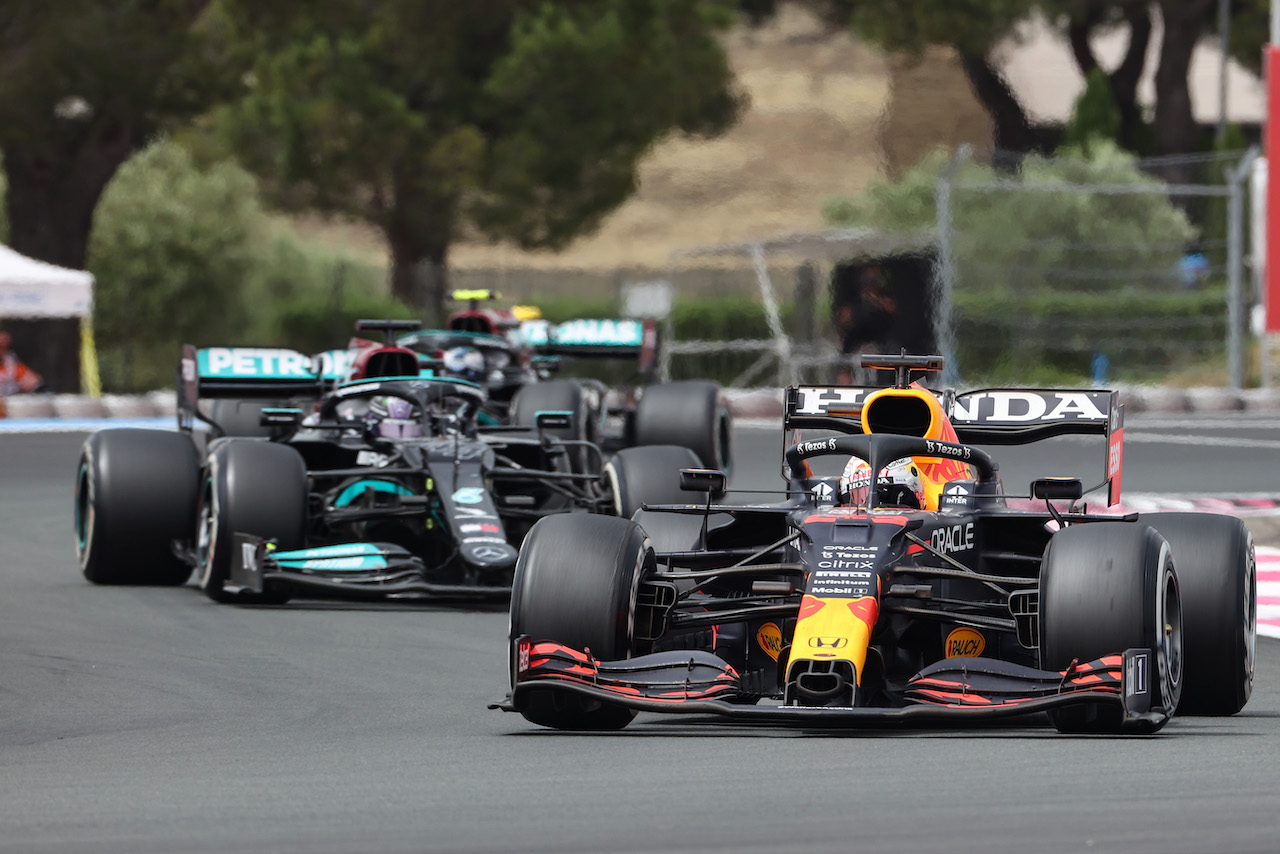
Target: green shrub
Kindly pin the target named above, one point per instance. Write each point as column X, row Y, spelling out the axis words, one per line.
column 1008, row 240
column 171, row 249
column 187, row 254
column 1143, row 335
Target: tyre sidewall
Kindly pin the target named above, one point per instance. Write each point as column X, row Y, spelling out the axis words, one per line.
column 250, row 487
column 135, row 496
column 1107, row 587
column 1216, row 564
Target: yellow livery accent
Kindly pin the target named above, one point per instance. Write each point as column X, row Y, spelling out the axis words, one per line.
column 835, row 629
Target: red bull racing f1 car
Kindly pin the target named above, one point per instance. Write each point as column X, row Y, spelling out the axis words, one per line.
column 903, row 586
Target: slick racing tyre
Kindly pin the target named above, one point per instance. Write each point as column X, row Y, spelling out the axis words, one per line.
column 1106, row 587
column 560, row 396
column 692, row 413
column 576, row 583
column 255, row 488
column 1217, row 576
column 649, row 474
column 135, row 495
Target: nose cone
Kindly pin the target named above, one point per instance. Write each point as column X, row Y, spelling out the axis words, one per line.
column 490, row 557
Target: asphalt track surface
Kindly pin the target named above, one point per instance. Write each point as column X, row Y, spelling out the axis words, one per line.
column 152, row 720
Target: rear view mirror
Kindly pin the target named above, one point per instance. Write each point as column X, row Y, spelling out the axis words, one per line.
column 279, row 416
column 553, row 420
column 1057, row 487
column 702, row 480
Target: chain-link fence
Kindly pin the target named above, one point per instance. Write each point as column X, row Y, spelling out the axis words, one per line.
column 1070, row 269
column 1060, row 272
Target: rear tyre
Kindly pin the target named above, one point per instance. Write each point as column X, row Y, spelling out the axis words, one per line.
column 692, row 413
column 576, row 583
column 1217, row 576
column 649, row 474
column 255, row 488
column 559, row 396
column 1106, row 587
column 135, row 495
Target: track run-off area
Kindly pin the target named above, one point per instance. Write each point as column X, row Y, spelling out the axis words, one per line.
column 153, row 720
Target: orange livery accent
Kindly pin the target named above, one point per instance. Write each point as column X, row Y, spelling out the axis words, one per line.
column 965, row 642
column 769, row 636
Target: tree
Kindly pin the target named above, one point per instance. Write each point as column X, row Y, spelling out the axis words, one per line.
column 975, row 27
column 1096, row 116
column 83, row 85
column 972, row 28
column 1081, row 20
column 508, row 119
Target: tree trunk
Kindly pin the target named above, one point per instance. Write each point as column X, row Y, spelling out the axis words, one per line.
column 52, row 193
column 1176, row 131
column 1011, row 129
column 1125, row 79
column 419, row 272
column 419, row 228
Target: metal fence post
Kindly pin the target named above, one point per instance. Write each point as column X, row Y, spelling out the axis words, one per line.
column 945, row 269
column 1235, row 262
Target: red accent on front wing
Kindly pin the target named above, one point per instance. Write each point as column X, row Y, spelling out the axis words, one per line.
column 810, row 605
column 866, row 609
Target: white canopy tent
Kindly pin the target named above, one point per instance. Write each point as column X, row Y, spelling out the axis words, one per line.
column 30, row 288
column 34, row 289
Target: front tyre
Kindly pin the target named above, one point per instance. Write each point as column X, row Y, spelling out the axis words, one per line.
column 1106, row 587
column 1217, row 576
column 135, row 495
column 576, row 583
column 250, row 487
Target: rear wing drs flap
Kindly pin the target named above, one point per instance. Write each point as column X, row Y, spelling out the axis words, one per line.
column 993, row 416
column 599, row 338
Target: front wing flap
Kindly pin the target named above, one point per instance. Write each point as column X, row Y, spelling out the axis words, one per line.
column 952, row 691
column 364, row 571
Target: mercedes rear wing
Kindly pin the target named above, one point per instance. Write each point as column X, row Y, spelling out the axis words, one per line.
column 594, row 338
column 263, row 373
column 992, row 416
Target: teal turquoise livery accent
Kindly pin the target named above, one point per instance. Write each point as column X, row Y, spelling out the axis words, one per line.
column 341, row 550
column 355, row 490
column 253, row 363
column 584, row 333
column 347, row 556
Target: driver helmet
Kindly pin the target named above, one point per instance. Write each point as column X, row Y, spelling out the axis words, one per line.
column 394, row 418
column 899, row 484
column 465, row 363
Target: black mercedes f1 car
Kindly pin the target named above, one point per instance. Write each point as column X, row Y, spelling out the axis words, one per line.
column 383, row 487
column 903, row 587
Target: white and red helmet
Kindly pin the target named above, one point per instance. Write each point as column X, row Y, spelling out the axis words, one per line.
column 897, row 484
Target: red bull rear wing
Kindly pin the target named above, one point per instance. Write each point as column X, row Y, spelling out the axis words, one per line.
column 993, row 416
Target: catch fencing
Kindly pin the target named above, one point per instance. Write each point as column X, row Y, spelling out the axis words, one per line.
column 1036, row 279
